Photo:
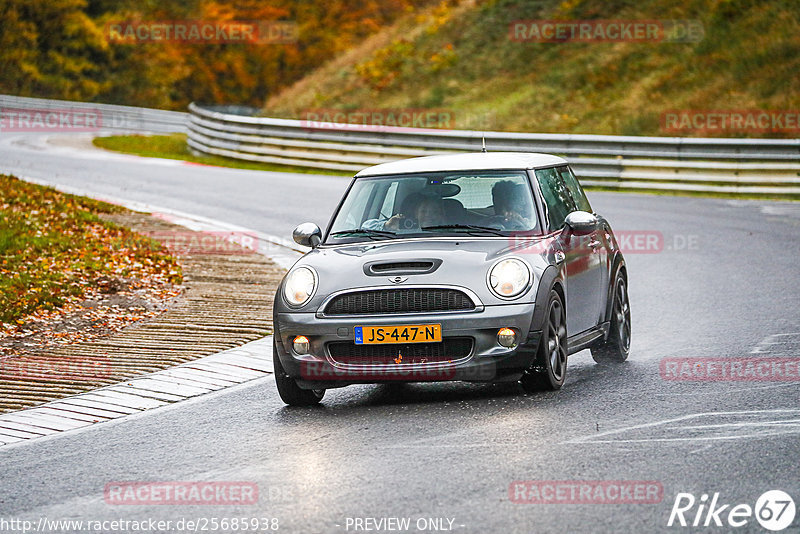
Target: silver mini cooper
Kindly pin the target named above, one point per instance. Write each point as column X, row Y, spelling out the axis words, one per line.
column 483, row 267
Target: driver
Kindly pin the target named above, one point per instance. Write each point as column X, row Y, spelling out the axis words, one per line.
column 430, row 212
column 510, row 207
column 417, row 210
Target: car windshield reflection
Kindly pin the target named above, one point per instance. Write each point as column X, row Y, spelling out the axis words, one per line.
column 496, row 203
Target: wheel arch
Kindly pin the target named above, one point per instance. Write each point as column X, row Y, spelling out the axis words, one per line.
column 549, row 280
column 559, row 288
column 619, row 268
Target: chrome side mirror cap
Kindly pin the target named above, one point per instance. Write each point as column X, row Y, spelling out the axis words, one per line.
column 307, row 234
column 581, row 223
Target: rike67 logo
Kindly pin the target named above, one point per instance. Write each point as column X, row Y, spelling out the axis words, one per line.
column 774, row 510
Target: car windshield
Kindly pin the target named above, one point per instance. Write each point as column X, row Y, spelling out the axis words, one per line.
column 416, row 205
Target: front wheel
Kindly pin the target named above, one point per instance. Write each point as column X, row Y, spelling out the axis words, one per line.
column 618, row 345
column 288, row 389
column 550, row 367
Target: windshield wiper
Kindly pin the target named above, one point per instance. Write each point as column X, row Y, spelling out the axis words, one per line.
column 469, row 227
column 364, row 231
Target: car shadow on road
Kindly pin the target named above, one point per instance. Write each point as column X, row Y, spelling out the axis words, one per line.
column 583, row 378
column 437, row 392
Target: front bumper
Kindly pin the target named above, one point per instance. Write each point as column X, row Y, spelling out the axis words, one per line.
column 487, row 361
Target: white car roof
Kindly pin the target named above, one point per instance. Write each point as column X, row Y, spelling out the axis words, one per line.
column 473, row 161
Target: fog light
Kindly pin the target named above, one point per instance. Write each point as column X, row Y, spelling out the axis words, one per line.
column 300, row 345
column 506, row 337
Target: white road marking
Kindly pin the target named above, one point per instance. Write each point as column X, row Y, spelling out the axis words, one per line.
column 130, row 387
column 713, row 431
column 783, row 342
column 14, row 435
column 101, row 401
column 128, row 400
column 180, row 386
column 794, row 422
column 136, row 395
column 716, row 392
column 71, row 410
column 34, row 424
column 200, row 377
column 227, row 370
column 81, row 146
column 71, row 415
column 26, row 431
column 781, row 210
column 83, row 405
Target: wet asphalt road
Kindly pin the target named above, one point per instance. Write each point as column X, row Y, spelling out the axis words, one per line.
column 724, row 284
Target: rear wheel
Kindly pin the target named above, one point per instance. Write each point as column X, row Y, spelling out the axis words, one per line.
column 288, row 389
column 618, row 345
column 550, row 368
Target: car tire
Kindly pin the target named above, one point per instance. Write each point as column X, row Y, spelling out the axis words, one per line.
column 288, row 389
column 549, row 369
column 618, row 344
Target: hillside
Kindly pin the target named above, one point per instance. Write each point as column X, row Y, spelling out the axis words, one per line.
column 75, row 49
column 460, row 57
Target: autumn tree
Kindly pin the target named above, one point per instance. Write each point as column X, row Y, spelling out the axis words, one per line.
column 51, row 48
column 61, row 48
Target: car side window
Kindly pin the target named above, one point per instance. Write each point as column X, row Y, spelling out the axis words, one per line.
column 575, row 189
column 557, row 200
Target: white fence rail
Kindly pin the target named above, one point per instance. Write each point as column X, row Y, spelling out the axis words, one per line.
column 16, row 112
column 744, row 166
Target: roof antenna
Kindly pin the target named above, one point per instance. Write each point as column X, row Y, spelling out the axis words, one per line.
column 483, row 142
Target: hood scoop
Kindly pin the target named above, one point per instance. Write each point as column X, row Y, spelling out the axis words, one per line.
column 392, row 268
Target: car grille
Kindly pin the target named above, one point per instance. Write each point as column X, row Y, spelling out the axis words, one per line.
column 451, row 348
column 406, row 300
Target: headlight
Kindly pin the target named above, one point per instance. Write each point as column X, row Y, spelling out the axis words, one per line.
column 300, row 284
column 509, row 278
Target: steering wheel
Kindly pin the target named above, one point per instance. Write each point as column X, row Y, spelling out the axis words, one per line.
column 504, row 223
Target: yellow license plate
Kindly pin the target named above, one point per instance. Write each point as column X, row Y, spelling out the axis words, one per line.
column 418, row 333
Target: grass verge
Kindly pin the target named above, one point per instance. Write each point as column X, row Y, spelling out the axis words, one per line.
column 174, row 146
column 55, row 249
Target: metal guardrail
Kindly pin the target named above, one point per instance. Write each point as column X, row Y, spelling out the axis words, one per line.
column 744, row 166
column 111, row 116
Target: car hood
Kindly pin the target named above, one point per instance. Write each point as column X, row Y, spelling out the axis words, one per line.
column 464, row 263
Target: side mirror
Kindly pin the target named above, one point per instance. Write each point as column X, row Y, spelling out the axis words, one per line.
column 307, row 234
column 580, row 223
